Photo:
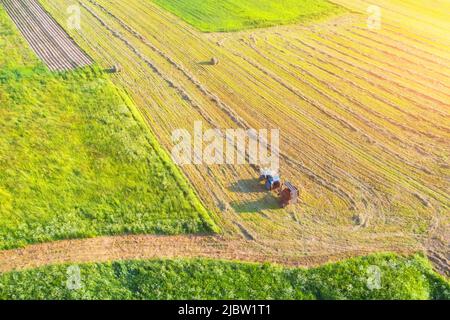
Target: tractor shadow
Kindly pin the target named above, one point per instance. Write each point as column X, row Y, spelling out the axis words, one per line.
column 247, row 186
column 207, row 63
column 268, row 202
column 111, row 70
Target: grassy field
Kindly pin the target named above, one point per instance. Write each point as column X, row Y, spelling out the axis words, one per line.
column 76, row 159
column 399, row 278
column 233, row 15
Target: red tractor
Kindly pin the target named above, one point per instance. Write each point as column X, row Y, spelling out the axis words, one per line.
column 288, row 195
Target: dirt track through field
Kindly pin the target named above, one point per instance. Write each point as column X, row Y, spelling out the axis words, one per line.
column 49, row 41
column 108, row 249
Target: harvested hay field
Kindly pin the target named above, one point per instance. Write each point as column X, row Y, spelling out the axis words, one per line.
column 50, row 42
column 364, row 119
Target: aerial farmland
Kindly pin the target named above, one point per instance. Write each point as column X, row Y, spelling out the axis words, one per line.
column 93, row 92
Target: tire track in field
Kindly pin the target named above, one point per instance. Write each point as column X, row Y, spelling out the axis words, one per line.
column 151, row 247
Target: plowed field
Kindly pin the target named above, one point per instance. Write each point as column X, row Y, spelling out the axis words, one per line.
column 50, row 42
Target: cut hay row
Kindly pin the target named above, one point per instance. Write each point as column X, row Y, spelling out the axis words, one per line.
column 412, row 74
column 419, row 19
column 413, row 128
column 415, row 42
column 358, row 114
column 355, row 114
column 351, row 137
column 399, row 64
column 404, row 160
column 389, row 42
column 50, row 42
column 362, row 73
column 164, row 119
column 374, row 72
column 311, row 171
column 405, row 59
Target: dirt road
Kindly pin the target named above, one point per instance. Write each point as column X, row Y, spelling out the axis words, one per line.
column 158, row 247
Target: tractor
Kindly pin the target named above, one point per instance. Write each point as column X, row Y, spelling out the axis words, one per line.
column 271, row 180
column 287, row 192
column 288, row 195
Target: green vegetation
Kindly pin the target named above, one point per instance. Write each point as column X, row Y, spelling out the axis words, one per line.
column 233, row 15
column 401, row 278
column 75, row 159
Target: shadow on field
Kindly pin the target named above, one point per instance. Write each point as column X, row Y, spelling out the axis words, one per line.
column 211, row 62
column 247, row 186
column 268, row 202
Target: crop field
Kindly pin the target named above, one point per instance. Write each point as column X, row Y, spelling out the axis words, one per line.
column 233, row 15
column 50, row 42
column 403, row 278
column 360, row 94
column 76, row 159
column 363, row 114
